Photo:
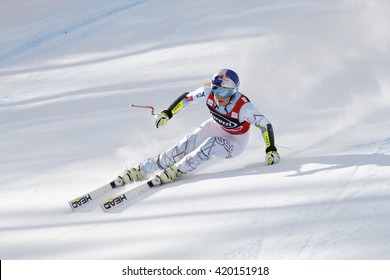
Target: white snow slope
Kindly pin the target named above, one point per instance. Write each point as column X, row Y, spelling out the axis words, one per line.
column 319, row 71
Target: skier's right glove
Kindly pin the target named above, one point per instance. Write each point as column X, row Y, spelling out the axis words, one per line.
column 161, row 118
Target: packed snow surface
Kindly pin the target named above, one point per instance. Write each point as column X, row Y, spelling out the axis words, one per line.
column 318, row 70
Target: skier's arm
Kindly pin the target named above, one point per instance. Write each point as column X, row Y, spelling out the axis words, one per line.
column 182, row 101
column 253, row 116
column 176, row 106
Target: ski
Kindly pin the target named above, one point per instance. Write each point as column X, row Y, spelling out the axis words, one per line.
column 124, row 199
column 89, row 198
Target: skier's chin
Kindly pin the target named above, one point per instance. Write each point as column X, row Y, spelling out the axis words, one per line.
column 222, row 103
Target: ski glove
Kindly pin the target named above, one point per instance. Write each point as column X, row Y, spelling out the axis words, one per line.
column 161, row 119
column 272, row 155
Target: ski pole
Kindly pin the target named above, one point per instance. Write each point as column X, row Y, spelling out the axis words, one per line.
column 143, row 107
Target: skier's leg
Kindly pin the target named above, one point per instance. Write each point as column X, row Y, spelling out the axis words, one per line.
column 167, row 158
column 224, row 146
column 194, row 149
column 188, row 144
column 217, row 146
column 213, row 146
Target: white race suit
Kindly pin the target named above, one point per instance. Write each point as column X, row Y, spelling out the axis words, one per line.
column 224, row 135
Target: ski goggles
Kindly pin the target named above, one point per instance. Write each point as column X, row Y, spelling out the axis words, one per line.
column 222, row 91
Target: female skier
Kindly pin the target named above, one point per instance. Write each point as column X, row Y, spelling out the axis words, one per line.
column 224, row 135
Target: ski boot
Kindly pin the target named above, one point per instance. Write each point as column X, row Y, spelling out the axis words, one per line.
column 170, row 174
column 128, row 177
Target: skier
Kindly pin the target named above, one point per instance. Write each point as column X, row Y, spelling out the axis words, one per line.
column 224, row 135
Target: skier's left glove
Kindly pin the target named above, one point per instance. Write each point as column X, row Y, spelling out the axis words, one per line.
column 161, row 118
column 272, row 155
